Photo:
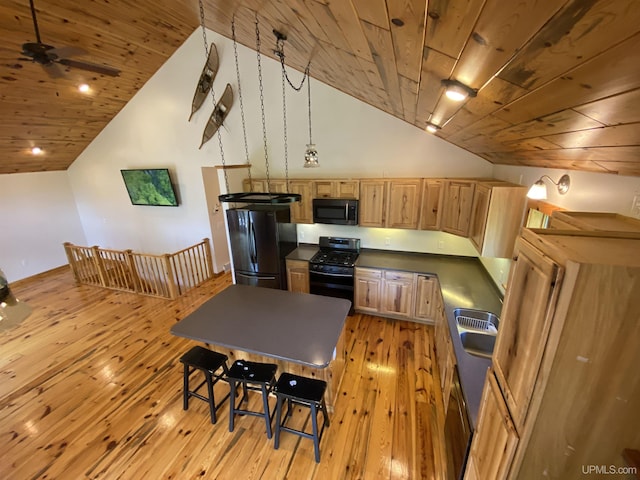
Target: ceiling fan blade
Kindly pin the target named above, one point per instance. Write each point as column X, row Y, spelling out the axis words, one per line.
column 53, row 70
column 91, row 67
column 64, row 52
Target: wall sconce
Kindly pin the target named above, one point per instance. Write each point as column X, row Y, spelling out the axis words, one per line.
column 538, row 190
column 432, row 127
column 457, row 91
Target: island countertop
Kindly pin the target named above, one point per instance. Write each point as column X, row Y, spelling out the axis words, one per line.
column 292, row 327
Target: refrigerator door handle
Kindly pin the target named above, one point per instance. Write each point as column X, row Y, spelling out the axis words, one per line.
column 254, row 247
column 259, row 277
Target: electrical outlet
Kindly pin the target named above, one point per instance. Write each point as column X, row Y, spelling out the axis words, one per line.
column 387, row 241
column 635, row 206
column 301, row 235
column 440, row 245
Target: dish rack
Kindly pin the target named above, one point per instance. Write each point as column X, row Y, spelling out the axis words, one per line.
column 476, row 324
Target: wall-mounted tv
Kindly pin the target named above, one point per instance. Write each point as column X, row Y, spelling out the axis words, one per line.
column 150, row 186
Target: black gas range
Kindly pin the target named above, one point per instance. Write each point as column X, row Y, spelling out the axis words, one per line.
column 331, row 270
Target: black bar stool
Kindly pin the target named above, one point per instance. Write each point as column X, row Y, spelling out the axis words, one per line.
column 303, row 391
column 252, row 376
column 208, row 362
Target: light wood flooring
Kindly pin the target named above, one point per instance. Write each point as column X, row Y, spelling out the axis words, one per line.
column 91, row 388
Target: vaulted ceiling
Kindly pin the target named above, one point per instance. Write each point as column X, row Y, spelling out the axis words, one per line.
column 558, row 82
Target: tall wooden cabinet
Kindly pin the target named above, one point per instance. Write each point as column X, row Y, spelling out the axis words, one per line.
column 566, row 358
column 496, row 217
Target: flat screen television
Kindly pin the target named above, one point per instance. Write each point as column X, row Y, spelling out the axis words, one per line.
column 150, row 186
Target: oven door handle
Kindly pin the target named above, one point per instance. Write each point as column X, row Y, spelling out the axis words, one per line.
column 331, row 274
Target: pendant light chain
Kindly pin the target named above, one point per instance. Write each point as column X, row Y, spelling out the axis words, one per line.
column 264, row 122
column 309, row 97
column 213, row 95
column 244, row 126
column 284, row 120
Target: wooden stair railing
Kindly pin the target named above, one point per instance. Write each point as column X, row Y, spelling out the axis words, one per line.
column 167, row 276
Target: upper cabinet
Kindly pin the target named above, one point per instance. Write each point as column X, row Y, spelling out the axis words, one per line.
column 498, row 209
column 403, row 203
column 261, row 185
column 458, row 202
column 336, row 189
column 432, row 204
column 489, row 212
column 372, row 203
column 302, row 211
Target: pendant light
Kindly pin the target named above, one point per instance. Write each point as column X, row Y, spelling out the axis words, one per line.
column 311, row 154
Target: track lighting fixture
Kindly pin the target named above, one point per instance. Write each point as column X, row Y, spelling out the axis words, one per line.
column 457, row 91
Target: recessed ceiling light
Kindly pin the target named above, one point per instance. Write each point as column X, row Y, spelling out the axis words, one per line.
column 84, row 88
column 36, row 150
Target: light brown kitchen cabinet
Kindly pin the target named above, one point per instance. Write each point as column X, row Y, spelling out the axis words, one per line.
column 403, row 203
column 593, row 221
column 302, row 211
column 458, row 202
column 367, row 289
column 432, row 204
column 427, row 293
column 497, row 214
column 261, row 185
column 566, row 357
column 297, row 276
column 397, row 293
column 495, row 438
column 372, row 203
column 447, row 370
column 336, row 189
column 525, row 320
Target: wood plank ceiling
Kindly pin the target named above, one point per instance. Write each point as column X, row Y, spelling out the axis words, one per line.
column 558, row 82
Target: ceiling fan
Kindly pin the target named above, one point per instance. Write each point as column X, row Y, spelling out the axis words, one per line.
column 51, row 57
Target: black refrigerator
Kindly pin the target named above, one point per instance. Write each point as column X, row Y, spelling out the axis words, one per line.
column 261, row 236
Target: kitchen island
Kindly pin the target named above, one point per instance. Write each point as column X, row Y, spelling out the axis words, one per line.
column 301, row 333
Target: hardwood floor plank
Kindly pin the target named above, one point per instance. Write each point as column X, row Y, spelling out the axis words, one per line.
column 92, row 388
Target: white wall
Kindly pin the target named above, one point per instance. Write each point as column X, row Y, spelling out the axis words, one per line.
column 152, row 130
column 353, row 139
column 38, row 215
column 592, row 192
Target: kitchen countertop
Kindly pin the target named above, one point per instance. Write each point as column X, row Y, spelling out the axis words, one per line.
column 294, row 327
column 464, row 283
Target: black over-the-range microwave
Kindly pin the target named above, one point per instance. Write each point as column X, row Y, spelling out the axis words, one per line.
column 338, row 211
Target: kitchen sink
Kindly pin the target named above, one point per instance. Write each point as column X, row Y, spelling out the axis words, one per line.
column 477, row 330
column 478, row 344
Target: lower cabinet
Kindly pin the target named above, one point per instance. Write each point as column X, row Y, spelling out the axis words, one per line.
column 397, row 293
column 367, row 290
column 495, row 439
column 297, row 276
column 427, row 291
